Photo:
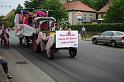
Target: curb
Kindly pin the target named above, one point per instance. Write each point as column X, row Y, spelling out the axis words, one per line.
column 79, row 35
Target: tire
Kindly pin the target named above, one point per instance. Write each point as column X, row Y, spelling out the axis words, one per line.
column 72, row 52
column 56, row 50
column 94, row 41
column 50, row 53
column 20, row 41
column 113, row 43
column 26, row 41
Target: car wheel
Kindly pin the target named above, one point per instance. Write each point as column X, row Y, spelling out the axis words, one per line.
column 94, row 41
column 113, row 44
column 72, row 52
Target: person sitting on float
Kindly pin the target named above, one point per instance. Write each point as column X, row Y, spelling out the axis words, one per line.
column 4, row 37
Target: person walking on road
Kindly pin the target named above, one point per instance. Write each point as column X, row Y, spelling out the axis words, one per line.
column 4, row 64
column 83, row 33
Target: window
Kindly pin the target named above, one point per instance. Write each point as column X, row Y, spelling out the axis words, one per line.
column 91, row 18
column 102, row 15
column 104, row 34
column 119, row 33
column 110, row 34
column 85, row 18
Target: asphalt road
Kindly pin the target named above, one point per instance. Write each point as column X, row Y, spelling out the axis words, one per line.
column 93, row 63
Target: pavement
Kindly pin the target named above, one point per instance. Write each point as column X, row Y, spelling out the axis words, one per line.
column 21, row 68
column 87, row 38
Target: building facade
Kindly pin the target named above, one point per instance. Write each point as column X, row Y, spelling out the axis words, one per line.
column 79, row 12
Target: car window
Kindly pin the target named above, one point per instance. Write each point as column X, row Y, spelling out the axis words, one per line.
column 110, row 34
column 119, row 33
column 103, row 34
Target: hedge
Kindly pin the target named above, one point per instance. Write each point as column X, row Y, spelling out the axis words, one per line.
column 100, row 27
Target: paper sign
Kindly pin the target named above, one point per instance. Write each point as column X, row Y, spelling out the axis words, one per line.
column 66, row 39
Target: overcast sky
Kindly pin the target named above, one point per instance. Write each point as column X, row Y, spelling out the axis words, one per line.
column 8, row 5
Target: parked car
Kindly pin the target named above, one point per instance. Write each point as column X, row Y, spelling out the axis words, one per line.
column 113, row 38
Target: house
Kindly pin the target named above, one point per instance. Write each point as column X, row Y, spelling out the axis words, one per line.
column 5, row 18
column 63, row 1
column 12, row 12
column 102, row 12
column 79, row 12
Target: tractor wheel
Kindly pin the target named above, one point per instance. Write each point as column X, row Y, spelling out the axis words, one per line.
column 72, row 52
column 26, row 41
column 20, row 41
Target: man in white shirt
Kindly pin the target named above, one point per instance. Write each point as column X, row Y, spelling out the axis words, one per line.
column 83, row 33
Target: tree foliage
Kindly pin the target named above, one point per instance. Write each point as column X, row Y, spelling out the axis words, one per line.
column 33, row 4
column 1, row 17
column 0, row 20
column 19, row 7
column 10, row 20
column 55, row 8
column 96, row 4
column 115, row 13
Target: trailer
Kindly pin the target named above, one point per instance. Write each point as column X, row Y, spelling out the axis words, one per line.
column 24, row 33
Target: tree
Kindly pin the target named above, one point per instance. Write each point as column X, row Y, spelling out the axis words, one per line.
column 19, row 7
column 56, row 9
column 10, row 20
column 96, row 4
column 1, row 17
column 115, row 13
column 34, row 4
column 0, row 20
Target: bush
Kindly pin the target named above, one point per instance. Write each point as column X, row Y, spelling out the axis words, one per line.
column 100, row 27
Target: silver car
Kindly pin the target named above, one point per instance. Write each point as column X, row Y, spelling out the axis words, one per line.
column 113, row 38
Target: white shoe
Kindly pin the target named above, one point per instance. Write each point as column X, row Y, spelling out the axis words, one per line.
column 9, row 76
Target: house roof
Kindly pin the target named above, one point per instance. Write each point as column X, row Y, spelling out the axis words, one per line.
column 106, row 7
column 11, row 12
column 77, row 5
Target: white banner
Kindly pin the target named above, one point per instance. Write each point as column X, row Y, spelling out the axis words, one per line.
column 66, row 39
